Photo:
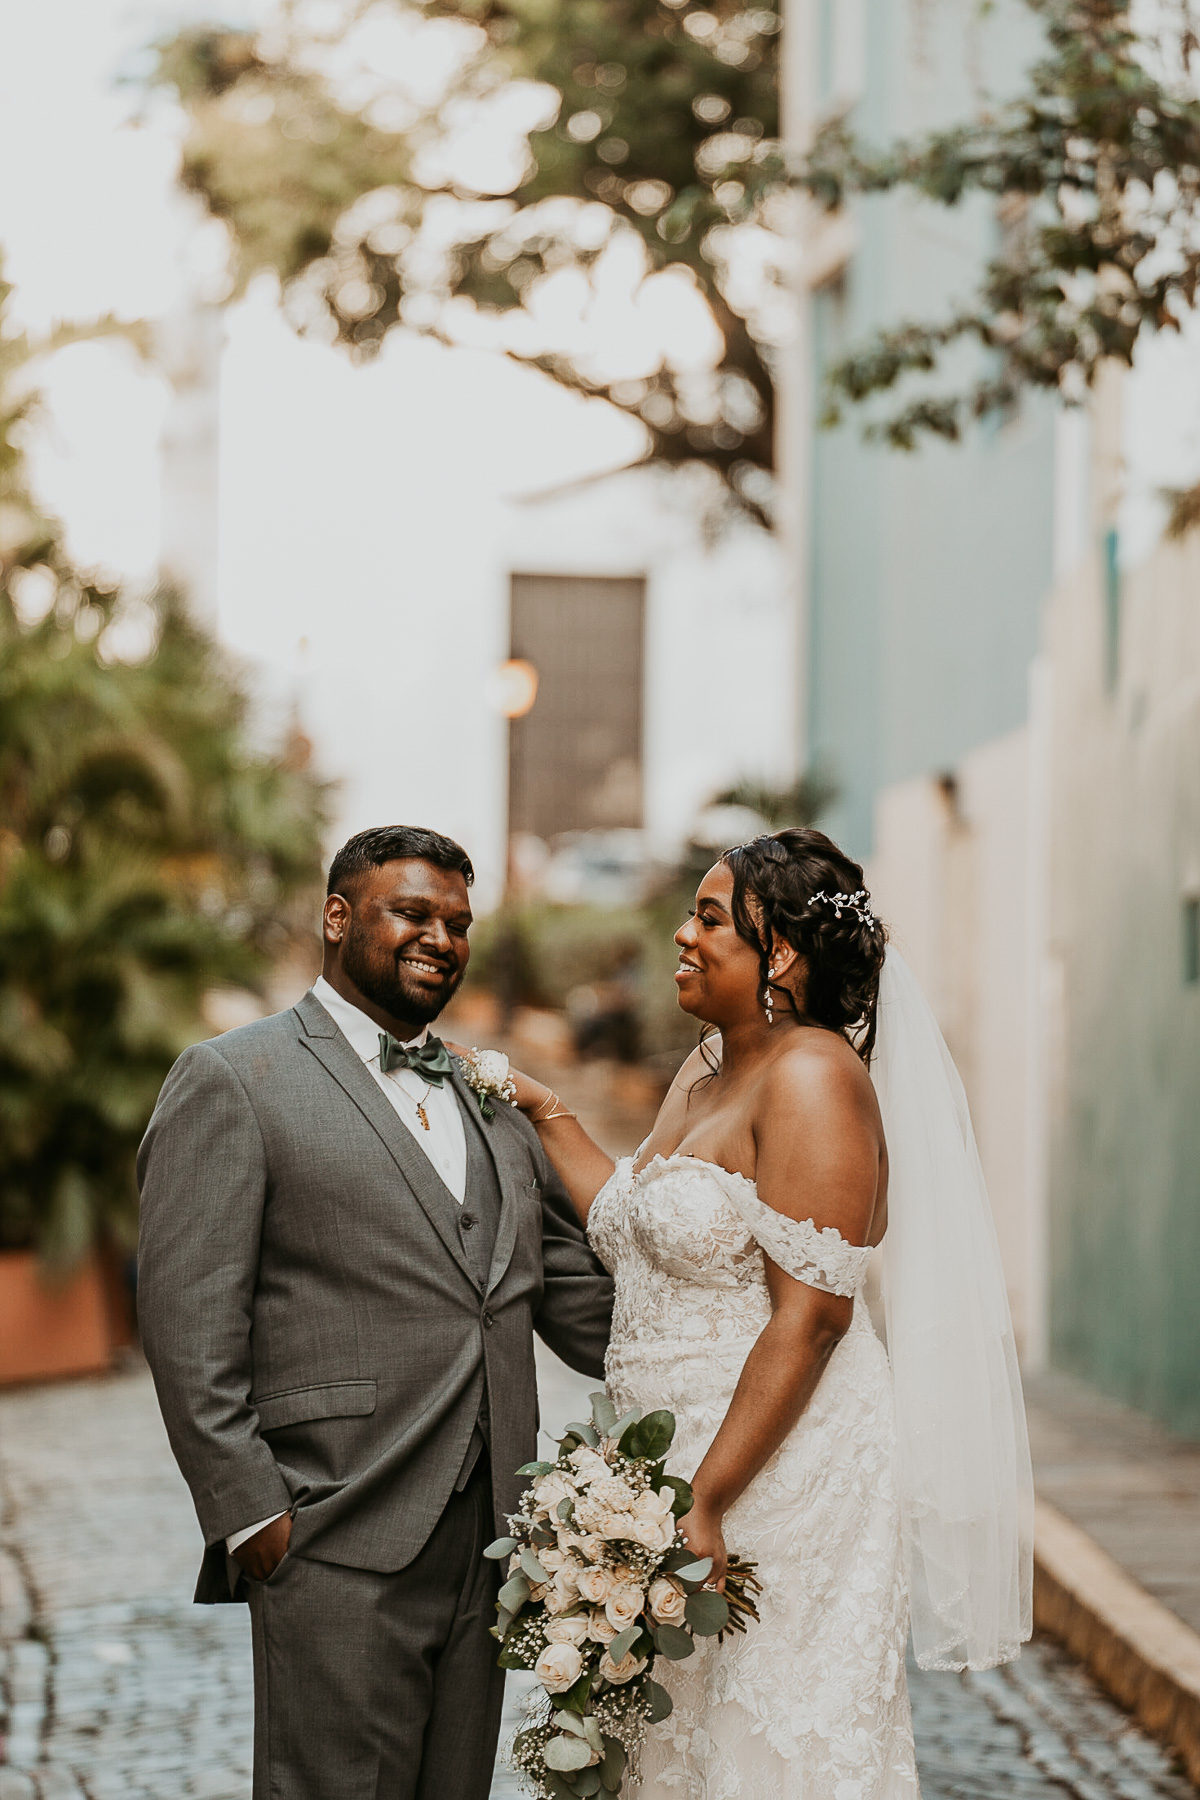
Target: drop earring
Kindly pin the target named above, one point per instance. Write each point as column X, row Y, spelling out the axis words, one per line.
column 767, row 997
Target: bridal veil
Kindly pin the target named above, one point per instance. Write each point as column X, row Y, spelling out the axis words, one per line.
column 963, row 1452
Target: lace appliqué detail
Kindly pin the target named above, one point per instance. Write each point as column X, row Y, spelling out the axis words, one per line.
column 812, row 1703
column 818, row 1256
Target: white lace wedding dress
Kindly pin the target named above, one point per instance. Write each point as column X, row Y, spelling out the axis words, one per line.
column 812, row 1703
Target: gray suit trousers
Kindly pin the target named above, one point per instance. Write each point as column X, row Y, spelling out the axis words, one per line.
column 371, row 1686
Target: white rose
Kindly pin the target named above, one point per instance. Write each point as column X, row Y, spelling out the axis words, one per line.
column 563, row 1592
column 514, row 1562
column 491, row 1068
column 551, row 1559
column 559, row 1667
column 568, row 1631
column 587, row 1514
column 589, row 1464
column 667, row 1602
column 654, row 1506
column 549, row 1490
column 601, row 1627
column 625, row 1670
column 624, row 1604
column 614, row 1493
column 617, row 1526
column 655, row 1534
column 594, row 1585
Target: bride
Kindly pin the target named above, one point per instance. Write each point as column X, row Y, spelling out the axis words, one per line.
column 823, row 1114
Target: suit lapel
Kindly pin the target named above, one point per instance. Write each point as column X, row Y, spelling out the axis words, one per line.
column 322, row 1037
column 512, row 1173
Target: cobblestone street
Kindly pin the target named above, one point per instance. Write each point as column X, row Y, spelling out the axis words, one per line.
column 117, row 1688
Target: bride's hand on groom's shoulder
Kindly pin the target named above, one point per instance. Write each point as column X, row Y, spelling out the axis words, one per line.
column 702, row 1529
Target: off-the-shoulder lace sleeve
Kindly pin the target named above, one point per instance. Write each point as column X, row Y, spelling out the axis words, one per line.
column 819, row 1257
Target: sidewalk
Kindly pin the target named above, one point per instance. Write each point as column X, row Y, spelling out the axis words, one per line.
column 1118, row 1552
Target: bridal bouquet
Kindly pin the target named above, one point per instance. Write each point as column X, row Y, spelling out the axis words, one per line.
column 600, row 1584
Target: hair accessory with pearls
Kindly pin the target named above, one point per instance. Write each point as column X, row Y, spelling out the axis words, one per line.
column 855, row 903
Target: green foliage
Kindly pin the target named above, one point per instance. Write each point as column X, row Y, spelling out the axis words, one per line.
column 664, row 126
column 1096, row 172
column 147, row 854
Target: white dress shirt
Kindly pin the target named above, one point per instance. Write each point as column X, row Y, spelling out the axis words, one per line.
column 444, row 1141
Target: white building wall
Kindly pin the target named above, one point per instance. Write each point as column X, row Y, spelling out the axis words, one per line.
column 951, row 877
column 368, row 532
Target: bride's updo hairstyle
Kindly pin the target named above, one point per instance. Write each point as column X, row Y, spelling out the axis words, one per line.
column 784, row 885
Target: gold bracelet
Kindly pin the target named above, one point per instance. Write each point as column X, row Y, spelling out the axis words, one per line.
column 551, row 1100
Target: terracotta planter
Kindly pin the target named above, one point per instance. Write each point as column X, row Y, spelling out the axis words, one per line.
column 47, row 1328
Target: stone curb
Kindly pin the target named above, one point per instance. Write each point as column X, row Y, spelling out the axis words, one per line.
column 1136, row 1647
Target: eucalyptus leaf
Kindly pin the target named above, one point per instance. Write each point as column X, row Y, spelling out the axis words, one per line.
column 593, row 1733
column 612, row 1763
column 572, row 1722
column 531, row 1567
column 559, row 1786
column 565, row 1508
column 514, row 1593
column 659, row 1704
column 670, row 1641
column 624, row 1642
column 695, row 1571
column 535, row 1468
column 657, row 1433
column 604, row 1414
column 585, row 1432
column 622, row 1425
column 501, row 1548
column 684, row 1498
column 565, row 1752
column 707, row 1613
column 587, row 1782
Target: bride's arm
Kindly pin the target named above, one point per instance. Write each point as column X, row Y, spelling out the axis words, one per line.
column 819, row 1154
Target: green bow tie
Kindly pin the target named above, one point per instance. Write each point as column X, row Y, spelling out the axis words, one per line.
column 431, row 1060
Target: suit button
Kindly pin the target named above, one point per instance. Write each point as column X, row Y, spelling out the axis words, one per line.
column 467, row 1222
column 488, row 1320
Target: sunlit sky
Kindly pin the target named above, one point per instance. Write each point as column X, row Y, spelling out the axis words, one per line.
column 91, row 223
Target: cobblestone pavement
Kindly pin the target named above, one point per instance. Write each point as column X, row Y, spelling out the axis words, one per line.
column 117, row 1688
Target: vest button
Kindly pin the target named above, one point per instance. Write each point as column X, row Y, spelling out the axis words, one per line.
column 488, row 1320
column 467, row 1222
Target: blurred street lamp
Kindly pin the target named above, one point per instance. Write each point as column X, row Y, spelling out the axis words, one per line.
column 512, row 688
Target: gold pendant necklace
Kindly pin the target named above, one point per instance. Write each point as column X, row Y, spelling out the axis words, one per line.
column 421, row 1113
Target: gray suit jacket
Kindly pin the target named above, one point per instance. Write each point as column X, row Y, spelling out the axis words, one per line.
column 317, row 1339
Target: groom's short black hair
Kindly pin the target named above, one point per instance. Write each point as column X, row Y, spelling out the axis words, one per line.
column 392, row 843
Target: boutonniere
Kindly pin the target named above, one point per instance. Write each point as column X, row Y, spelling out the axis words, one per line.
column 486, row 1074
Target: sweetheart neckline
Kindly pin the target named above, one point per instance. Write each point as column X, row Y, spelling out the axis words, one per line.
column 701, row 1162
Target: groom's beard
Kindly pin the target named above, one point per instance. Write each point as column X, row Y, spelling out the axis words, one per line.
column 385, row 981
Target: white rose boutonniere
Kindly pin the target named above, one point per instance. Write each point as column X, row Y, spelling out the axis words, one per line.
column 486, row 1074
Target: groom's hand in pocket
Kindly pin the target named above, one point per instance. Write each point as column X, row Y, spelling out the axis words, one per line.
column 262, row 1554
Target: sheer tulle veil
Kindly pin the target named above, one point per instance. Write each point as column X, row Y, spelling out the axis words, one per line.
column 963, row 1451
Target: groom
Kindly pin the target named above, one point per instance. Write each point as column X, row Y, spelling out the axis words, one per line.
column 342, row 1266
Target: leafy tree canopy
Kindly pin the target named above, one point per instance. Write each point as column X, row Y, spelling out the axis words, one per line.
column 647, row 117
column 1096, row 169
column 148, row 852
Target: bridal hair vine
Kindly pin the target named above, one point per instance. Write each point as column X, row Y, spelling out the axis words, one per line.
column 855, row 903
